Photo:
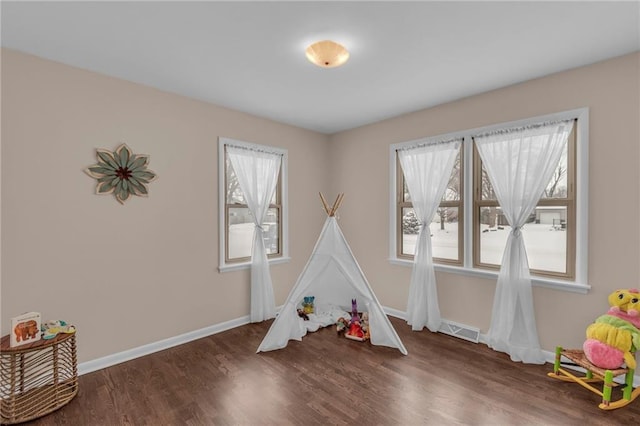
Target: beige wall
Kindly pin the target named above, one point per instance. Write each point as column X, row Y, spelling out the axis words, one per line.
column 611, row 91
column 139, row 273
column 135, row 274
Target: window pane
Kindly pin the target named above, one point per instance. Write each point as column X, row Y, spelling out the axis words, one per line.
column 453, row 187
column 410, row 229
column 405, row 191
column 241, row 232
column 234, row 193
column 544, row 237
column 494, row 231
column 452, row 192
column 557, row 187
column 271, row 234
column 487, row 192
column 444, row 232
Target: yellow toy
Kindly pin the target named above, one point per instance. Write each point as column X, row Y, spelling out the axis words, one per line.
column 614, row 337
column 611, row 343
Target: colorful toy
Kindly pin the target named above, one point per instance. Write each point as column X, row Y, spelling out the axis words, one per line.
column 614, row 337
column 365, row 325
column 307, row 304
column 341, row 325
column 625, row 304
column 356, row 330
column 354, row 312
column 51, row 329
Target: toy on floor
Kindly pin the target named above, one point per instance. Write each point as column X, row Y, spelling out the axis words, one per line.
column 355, row 331
column 365, row 325
column 341, row 325
column 307, row 304
column 302, row 315
column 52, row 328
column 614, row 337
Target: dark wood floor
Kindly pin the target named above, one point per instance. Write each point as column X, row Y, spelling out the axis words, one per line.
column 326, row 380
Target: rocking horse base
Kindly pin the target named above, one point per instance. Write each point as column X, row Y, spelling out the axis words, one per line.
column 595, row 374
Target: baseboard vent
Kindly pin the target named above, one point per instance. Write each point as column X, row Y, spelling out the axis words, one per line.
column 460, row 331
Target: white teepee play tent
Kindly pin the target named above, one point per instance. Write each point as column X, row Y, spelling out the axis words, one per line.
column 332, row 275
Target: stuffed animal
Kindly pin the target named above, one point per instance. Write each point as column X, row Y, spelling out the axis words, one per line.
column 614, row 337
column 625, row 304
column 341, row 325
column 307, row 304
column 365, row 325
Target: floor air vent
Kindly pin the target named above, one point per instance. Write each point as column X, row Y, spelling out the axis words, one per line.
column 460, row 331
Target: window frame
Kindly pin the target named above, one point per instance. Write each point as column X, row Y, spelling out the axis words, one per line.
column 579, row 244
column 567, row 202
column 225, row 263
column 402, row 204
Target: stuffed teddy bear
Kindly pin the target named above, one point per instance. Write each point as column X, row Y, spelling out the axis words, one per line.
column 614, row 337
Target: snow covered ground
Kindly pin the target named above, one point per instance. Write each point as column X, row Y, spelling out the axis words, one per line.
column 546, row 247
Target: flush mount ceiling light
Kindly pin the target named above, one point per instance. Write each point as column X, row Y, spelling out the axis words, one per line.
column 327, row 54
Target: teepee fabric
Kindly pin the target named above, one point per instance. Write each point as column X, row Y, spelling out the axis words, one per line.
column 333, row 276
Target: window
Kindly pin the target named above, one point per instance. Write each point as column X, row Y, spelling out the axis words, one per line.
column 549, row 232
column 446, row 226
column 236, row 221
column 469, row 232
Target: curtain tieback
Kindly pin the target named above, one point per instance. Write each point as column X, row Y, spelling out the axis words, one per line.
column 259, row 227
column 516, row 231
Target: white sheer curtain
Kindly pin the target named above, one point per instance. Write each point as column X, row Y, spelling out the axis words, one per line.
column 519, row 163
column 257, row 173
column 427, row 169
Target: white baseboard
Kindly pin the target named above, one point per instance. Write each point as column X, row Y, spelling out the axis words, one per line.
column 117, row 358
column 548, row 356
column 110, row 360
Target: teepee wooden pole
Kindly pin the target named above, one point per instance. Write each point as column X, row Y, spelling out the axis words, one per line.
column 325, row 205
column 336, row 205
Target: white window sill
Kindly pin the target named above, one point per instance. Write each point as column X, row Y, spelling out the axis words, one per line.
column 475, row 272
column 246, row 265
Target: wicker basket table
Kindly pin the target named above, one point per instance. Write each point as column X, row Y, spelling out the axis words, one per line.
column 37, row 378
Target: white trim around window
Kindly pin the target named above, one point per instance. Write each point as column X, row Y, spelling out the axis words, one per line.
column 580, row 283
column 224, row 266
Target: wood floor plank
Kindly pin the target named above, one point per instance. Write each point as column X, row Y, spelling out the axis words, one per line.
column 329, row 380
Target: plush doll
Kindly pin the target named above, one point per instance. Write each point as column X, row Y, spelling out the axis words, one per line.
column 341, row 325
column 614, row 337
column 303, row 315
column 365, row 325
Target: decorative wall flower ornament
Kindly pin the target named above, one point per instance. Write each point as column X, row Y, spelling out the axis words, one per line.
column 121, row 173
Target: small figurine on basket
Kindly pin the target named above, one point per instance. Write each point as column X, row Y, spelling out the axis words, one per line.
column 614, row 337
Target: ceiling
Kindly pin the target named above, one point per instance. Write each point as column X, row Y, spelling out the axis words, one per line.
column 249, row 56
